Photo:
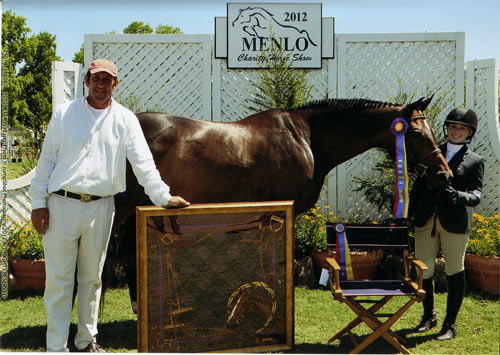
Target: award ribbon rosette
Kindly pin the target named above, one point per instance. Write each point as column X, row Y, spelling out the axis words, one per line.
column 398, row 128
column 342, row 255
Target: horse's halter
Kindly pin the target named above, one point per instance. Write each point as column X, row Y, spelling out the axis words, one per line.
column 420, row 167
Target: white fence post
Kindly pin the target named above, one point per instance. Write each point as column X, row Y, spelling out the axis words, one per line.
column 482, row 97
column 67, row 82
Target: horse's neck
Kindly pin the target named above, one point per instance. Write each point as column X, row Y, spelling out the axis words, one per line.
column 344, row 136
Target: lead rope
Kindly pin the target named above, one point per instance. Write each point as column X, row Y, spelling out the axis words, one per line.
column 433, row 233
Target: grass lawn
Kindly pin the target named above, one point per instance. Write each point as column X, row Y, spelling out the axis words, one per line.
column 317, row 318
column 15, row 170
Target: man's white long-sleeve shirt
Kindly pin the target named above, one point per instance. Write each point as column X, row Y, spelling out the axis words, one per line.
column 85, row 155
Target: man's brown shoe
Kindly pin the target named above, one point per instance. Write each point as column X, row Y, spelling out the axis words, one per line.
column 93, row 348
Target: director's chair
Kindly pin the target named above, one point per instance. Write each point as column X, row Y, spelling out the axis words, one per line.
column 353, row 292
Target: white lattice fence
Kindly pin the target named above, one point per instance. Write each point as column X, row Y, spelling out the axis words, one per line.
column 482, row 97
column 165, row 73
column 18, row 201
column 67, row 84
column 172, row 73
column 232, row 89
column 378, row 67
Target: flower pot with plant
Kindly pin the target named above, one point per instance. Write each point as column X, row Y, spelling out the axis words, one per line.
column 26, row 257
column 482, row 263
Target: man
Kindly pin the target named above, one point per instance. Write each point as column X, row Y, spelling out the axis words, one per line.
column 81, row 167
column 441, row 219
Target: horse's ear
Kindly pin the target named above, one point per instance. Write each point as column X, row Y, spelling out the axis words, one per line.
column 413, row 106
column 420, row 104
column 425, row 103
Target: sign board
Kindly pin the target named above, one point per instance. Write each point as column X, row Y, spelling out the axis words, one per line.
column 215, row 277
column 254, row 28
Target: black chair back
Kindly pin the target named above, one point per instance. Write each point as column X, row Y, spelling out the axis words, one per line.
column 368, row 236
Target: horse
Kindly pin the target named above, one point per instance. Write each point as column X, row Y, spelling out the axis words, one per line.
column 279, row 154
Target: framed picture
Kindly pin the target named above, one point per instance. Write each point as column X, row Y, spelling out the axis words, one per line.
column 215, row 277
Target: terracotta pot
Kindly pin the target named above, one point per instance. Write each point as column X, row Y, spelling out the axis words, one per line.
column 364, row 263
column 483, row 272
column 28, row 274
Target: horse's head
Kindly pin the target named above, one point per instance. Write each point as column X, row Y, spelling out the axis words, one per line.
column 422, row 152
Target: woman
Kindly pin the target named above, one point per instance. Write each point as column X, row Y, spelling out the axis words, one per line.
column 441, row 219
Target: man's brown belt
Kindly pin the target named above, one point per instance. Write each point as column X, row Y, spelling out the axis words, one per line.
column 82, row 198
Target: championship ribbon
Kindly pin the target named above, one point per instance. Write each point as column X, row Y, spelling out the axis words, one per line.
column 398, row 128
column 342, row 255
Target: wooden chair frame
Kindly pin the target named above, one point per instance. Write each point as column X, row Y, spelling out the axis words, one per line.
column 370, row 237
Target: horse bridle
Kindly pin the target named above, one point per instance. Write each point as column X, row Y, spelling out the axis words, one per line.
column 419, row 160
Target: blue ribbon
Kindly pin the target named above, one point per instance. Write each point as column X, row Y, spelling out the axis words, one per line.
column 399, row 127
column 343, row 257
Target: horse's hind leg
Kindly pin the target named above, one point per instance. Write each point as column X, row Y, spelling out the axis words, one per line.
column 129, row 257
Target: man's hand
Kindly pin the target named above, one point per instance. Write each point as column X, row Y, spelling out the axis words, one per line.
column 40, row 219
column 177, row 201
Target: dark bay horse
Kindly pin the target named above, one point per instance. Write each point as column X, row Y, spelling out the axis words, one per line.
column 276, row 154
column 273, row 155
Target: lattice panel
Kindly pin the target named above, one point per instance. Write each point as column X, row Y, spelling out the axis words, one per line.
column 165, row 77
column 236, row 87
column 481, row 143
column 19, row 204
column 69, row 85
column 377, row 70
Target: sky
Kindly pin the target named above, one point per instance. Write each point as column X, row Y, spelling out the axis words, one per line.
column 69, row 20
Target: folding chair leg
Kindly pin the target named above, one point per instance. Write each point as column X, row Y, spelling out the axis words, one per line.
column 357, row 321
column 379, row 329
column 346, row 329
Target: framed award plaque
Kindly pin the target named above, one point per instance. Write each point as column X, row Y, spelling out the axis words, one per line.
column 215, row 277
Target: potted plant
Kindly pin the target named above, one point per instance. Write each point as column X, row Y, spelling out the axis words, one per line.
column 311, row 240
column 310, row 230
column 482, row 263
column 26, row 257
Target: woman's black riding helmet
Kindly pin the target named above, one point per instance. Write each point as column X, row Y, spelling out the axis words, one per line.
column 464, row 116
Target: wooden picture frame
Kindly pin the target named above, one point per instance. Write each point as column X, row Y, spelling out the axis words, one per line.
column 215, row 277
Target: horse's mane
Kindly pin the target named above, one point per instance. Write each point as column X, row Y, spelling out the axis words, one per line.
column 344, row 104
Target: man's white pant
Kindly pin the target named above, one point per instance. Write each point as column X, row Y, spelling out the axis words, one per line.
column 78, row 236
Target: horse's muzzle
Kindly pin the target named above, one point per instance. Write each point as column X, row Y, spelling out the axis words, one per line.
column 438, row 180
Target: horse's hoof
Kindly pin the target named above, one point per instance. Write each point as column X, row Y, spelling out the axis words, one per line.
column 134, row 307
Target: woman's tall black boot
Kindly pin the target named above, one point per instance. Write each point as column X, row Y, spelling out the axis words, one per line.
column 429, row 319
column 456, row 292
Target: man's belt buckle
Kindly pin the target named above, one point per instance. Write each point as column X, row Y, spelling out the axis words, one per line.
column 85, row 198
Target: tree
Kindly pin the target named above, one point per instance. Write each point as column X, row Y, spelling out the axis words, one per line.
column 167, row 29
column 138, row 27
column 35, row 79
column 29, row 68
column 279, row 86
column 14, row 46
column 79, row 57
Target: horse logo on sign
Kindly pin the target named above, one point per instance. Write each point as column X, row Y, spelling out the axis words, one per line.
column 257, row 22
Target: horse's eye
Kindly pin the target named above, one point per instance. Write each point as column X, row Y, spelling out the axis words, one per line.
column 414, row 133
